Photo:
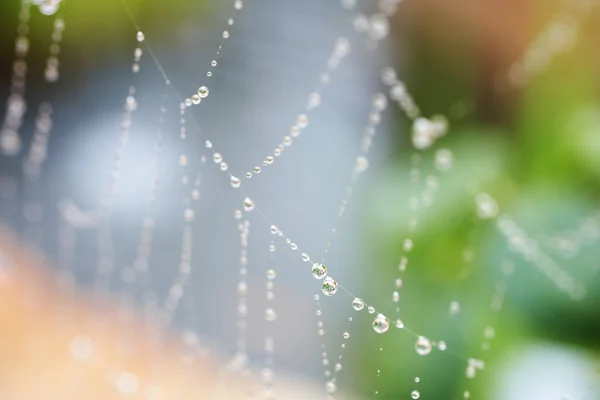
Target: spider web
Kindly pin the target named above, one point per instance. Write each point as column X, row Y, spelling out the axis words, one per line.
column 171, row 235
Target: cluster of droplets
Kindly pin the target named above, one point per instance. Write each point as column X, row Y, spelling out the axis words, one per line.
column 51, row 72
column 375, row 26
column 425, row 132
column 340, row 51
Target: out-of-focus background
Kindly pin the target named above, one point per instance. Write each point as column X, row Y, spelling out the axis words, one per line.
column 518, row 83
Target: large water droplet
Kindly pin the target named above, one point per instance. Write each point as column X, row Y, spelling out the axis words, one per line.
column 319, row 270
column 329, row 286
column 415, row 394
column 248, row 204
column 358, row 304
column 381, row 324
column 203, row 91
column 423, row 346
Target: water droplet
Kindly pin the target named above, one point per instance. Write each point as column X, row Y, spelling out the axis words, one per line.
column 248, row 175
column 331, row 387
column 388, row 76
column 213, row 63
column 271, row 274
column 237, row 214
column 127, row 383
column 238, row 4
column 371, row 309
column 358, row 304
column 189, row 215
column 415, row 394
column 346, row 335
column 362, row 163
column 305, row 257
column 379, row 27
column 274, row 229
column 319, row 271
column 302, row 121
column 270, row 315
column 443, row 160
column 423, row 346
column 342, row 47
column 203, row 91
column 408, row 244
column 379, row 102
column 381, row 324
column 248, row 204
column 235, row 182
column 196, row 99
column 329, row 286
column 395, row 297
column 398, row 283
column 225, row 34
column 217, row 158
column 489, row 332
column 314, row 100
column 140, row 36
column 257, row 170
column 442, row 345
column 454, row 307
column 399, row 324
column 81, row 348
column 487, row 207
column 417, row 380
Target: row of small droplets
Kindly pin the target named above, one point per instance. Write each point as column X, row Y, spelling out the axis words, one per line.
column 242, row 288
column 10, row 142
column 32, row 169
column 520, row 243
column 105, row 246
column 51, row 73
column 141, row 262
column 270, row 317
column 340, row 50
column 378, row 105
column 339, row 362
column 176, row 291
column 559, row 36
column 489, row 332
column 203, row 91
